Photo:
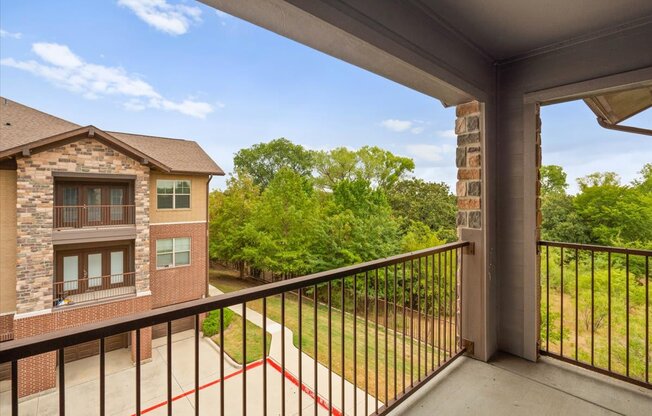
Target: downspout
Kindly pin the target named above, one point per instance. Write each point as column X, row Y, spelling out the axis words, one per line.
column 208, row 259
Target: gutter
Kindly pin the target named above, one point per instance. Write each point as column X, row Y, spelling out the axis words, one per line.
column 208, row 259
column 628, row 129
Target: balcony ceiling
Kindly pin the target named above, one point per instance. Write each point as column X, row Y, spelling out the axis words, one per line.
column 506, row 29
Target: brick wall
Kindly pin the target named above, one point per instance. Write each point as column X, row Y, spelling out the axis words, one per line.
column 179, row 284
column 469, row 160
column 39, row 373
column 6, row 327
column 34, row 202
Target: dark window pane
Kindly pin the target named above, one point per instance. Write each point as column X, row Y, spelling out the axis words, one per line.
column 182, row 201
column 164, row 201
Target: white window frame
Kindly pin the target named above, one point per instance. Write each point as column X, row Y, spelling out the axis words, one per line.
column 174, row 253
column 174, row 194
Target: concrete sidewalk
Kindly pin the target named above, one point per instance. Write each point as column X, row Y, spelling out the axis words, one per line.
column 281, row 339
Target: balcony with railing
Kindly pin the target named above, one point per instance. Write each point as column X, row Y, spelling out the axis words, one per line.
column 365, row 339
column 72, row 292
column 79, row 216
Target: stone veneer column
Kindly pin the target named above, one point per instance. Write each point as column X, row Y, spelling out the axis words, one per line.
column 471, row 265
column 35, row 251
column 468, row 160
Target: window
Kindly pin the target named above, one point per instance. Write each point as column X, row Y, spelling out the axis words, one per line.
column 171, row 194
column 172, row 252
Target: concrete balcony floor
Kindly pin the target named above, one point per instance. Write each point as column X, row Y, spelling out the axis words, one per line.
column 512, row 386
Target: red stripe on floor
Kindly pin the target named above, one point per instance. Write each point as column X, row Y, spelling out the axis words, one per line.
column 202, row 387
column 320, row 400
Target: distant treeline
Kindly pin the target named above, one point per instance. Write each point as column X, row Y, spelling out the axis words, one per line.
column 291, row 211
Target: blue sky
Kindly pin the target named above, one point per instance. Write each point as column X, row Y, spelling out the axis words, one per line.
column 182, row 69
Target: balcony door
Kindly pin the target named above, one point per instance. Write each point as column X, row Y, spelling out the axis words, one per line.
column 91, row 269
column 86, row 204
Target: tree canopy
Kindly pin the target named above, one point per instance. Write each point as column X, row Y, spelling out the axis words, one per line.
column 293, row 211
column 603, row 212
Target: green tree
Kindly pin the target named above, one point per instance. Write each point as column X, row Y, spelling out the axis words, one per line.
column 284, row 226
column 229, row 213
column 430, row 203
column 262, row 161
column 379, row 167
column 613, row 211
column 358, row 226
column 553, row 179
column 419, row 236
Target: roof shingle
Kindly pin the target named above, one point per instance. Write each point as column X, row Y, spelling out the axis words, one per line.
column 21, row 125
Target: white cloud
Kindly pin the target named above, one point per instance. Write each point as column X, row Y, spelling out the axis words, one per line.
column 174, row 19
column 13, row 35
column 396, row 125
column 446, row 134
column 58, row 55
column 429, row 152
column 60, row 66
column 417, row 130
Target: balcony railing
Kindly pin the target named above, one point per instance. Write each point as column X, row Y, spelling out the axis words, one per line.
column 78, row 216
column 368, row 336
column 595, row 308
column 93, row 288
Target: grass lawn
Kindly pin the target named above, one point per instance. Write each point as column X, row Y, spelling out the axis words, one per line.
column 233, row 341
column 407, row 355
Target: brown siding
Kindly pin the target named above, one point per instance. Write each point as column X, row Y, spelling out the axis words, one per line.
column 7, row 242
column 197, row 210
column 179, row 284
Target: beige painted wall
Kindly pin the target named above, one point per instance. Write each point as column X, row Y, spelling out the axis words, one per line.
column 197, row 211
column 7, row 241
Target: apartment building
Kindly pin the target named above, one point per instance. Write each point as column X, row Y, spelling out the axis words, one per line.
column 95, row 225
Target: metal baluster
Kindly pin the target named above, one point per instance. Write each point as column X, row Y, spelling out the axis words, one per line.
column 244, row 358
column 314, row 332
column 343, row 367
column 265, row 356
column 355, row 344
column 376, row 307
column 102, row 377
column 196, row 365
column 547, row 298
column 222, row 398
column 386, row 344
column 283, row 353
column 592, row 307
column 366, row 343
column 300, row 304
column 627, row 314
column 138, row 372
column 576, row 302
column 14, row 388
column 419, row 322
column 561, row 337
column 169, row 367
column 609, row 311
column 62, row 382
column 439, row 310
column 395, row 334
column 330, row 348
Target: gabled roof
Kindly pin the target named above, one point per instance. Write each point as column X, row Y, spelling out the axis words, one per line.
column 24, row 129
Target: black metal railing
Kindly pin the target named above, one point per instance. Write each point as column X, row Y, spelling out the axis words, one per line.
column 365, row 338
column 78, row 216
column 595, row 308
column 87, row 289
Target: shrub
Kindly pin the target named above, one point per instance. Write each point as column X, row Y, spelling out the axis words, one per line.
column 211, row 324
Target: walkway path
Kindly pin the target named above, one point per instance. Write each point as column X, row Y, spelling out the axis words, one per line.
column 307, row 364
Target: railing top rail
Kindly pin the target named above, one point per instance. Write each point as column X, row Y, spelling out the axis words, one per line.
column 593, row 247
column 95, row 206
column 26, row 347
